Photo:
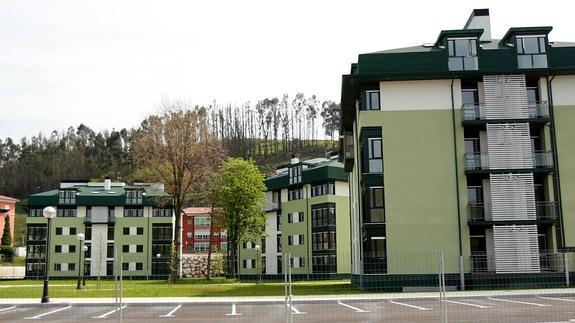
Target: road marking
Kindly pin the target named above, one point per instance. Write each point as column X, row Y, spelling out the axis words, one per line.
column 171, row 314
column 571, row 320
column 295, row 310
column 557, row 299
column 234, row 312
column 412, row 306
column 47, row 313
column 105, row 315
column 468, row 304
column 357, row 310
column 7, row 309
column 517, row 302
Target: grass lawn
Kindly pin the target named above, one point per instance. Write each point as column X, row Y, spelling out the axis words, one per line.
column 187, row 288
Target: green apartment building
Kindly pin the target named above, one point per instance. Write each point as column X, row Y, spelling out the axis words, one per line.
column 307, row 210
column 464, row 145
column 135, row 222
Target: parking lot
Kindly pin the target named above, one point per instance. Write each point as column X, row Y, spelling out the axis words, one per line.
column 477, row 309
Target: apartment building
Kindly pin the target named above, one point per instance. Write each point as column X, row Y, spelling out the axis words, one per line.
column 119, row 221
column 196, row 232
column 462, row 145
column 307, row 212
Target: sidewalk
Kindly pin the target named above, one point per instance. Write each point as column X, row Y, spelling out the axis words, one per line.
column 299, row 299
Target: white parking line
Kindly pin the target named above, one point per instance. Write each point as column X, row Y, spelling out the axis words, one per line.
column 357, row 310
column 517, row 302
column 234, row 312
column 47, row 313
column 557, row 299
column 105, row 315
column 468, row 304
column 7, row 309
column 412, row 306
column 295, row 310
column 171, row 314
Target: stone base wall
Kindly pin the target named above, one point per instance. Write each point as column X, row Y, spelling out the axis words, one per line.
column 196, row 265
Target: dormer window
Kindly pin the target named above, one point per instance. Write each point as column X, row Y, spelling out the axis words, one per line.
column 295, row 174
column 134, row 196
column 67, row 197
column 531, row 51
column 462, row 54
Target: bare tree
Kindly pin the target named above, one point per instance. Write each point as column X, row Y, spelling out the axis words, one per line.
column 177, row 146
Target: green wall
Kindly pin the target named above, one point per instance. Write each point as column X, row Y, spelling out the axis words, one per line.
column 564, row 127
column 420, row 188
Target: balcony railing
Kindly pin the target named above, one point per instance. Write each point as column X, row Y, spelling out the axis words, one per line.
column 107, row 219
column 480, row 161
column 271, row 206
column 548, row 262
column 536, row 110
column 544, row 211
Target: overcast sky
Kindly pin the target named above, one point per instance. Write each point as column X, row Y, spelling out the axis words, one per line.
column 108, row 63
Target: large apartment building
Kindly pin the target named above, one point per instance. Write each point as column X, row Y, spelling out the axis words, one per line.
column 463, row 145
column 307, row 210
column 119, row 221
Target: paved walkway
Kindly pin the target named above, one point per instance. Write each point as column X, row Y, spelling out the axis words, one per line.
column 299, row 299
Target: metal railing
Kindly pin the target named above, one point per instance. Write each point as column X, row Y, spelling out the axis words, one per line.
column 537, row 159
column 544, row 210
column 535, row 110
column 548, row 262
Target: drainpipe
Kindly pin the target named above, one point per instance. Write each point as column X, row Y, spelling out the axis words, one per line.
column 556, row 153
column 461, row 273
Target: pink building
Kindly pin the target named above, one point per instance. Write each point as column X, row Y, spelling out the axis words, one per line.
column 196, row 232
column 7, row 209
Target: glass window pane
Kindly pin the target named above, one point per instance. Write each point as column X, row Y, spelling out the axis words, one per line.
column 451, row 48
column 519, row 45
column 374, row 100
column 524, row 61
column 473, row 47
column 375, row 166
column 377, row 215
column 375, row 148
column 470, row 63
column 540, row 61
column 462, row 47
column 542, row 44
column 455, row 64
column 530, row 45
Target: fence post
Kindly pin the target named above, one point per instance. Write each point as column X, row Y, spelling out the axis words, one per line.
column 290, row 291
column 121, row 276
column 285, row 287
column 442, row 296
column 566, row 267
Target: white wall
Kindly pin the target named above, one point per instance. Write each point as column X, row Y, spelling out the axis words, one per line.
column 419, row 95
column 341, row 188
column 271, row 243
column 99, row 247
column 563, row 90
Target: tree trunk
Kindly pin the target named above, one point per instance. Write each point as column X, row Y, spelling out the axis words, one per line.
column 209, row 273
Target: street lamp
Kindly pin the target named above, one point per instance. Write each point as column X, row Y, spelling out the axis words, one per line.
column 84, row 249
column 80, row 237
column 49, row 213
column 258, row 269
column 158, row 256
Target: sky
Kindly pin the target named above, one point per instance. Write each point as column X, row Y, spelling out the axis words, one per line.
column 108, row 64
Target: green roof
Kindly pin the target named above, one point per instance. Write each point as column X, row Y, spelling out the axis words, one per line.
column 330, row 170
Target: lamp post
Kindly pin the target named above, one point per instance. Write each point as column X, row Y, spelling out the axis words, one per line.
column 84, row 249
column 49, row 213
column 158, row 256
column 258, row 258
column 80, row 237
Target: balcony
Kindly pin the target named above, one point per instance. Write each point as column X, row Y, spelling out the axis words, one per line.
column 477, row 112
column 548, row 262
column 270, row 206
column 95, row 220
column 546, row 211
column 478, row 161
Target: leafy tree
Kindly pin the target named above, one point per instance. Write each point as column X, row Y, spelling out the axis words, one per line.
column 241, row 195
column 330, row 113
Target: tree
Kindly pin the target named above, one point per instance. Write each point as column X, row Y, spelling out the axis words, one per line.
column 241, row 195
column 216, row 218
column 330, row 113
column 179, row 149
column 6, row 237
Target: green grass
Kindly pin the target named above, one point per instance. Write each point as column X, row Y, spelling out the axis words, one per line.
column 185, row 288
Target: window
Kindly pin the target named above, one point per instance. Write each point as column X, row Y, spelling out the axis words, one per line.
column 67, row 197
column 57, row 267
column 139, row 266
column 137, row 212
column 126, row 231
column 125, row 248
column 110, row 268
column 189, row 235
column 376, row 211
column 72, row 248
column 290, row 217
column 279, row 242
column 202, row 221
column 290, row 240
column 125, row 266
column 375, row 155
column 323, row 189
column 371, row 100
column 58, row 249
column 37, row 233
column 323, row 240
column 162, row 212
column 111, row 213
column 73, row 231
column 36, row 213
column 111, row 232
column 162, row 232
column 36, row 252
column 300, row 217
column 190, row 222
column 279, row 222
column 162, row 249
column 71, row 266
column 66, row 212
column 324, row 263
column 58, row 231
column 201, row 246
column 295, row 174
column 110, row 250
column 295, row 193
column 531, row 52
column 323, row 215
column 140, row 231
column 301, row 239
column 134, row 196
column 88, row 232
column 462, row 54
column 200, row 236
